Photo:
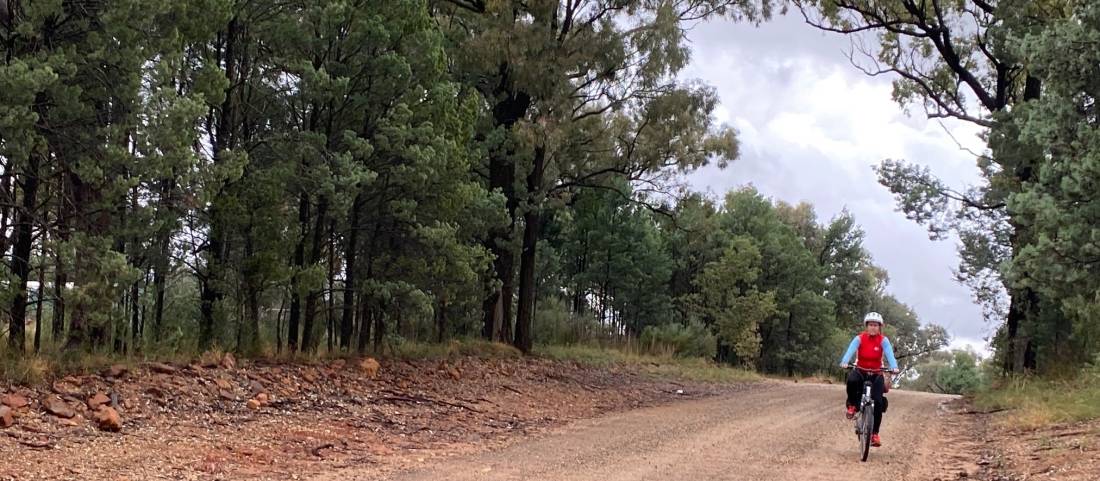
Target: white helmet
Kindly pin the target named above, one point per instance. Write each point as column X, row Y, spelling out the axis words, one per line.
column 873, row 317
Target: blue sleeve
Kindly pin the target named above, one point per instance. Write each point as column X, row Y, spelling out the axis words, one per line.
column 852, row 351
column 888, row 351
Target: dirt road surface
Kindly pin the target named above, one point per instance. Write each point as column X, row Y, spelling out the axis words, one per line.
column 782, row 431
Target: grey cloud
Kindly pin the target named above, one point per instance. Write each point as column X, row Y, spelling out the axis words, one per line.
column 765, row 77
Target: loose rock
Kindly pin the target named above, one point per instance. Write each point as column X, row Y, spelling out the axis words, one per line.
column 162, row 368
column 98, row 400
column 58, row 408
column 117, row 371
column 108, row 419
column 5, row 417
column 15, row 401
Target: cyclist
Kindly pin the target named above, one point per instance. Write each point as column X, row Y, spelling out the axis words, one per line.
column 870, row 348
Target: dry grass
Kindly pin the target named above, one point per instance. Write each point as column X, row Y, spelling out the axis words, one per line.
column 1037, row 402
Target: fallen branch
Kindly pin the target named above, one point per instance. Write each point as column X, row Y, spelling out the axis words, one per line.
column 29, row 443
column 317, row 450
column 392, row 396
column 991, row 411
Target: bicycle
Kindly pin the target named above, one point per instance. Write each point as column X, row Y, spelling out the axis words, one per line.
column 865, row 420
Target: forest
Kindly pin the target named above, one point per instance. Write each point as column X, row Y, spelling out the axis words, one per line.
column 339, row 176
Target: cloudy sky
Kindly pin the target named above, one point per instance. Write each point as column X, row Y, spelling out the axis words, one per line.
column 811, row 128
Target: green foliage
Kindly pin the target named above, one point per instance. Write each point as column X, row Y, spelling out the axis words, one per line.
column 692, row 340
column 275, row 178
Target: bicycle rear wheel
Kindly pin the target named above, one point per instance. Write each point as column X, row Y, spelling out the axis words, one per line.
column 866, row 424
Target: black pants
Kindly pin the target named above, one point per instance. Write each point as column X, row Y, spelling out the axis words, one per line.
column 855, row 392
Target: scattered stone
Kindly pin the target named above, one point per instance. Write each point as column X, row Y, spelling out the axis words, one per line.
column 58, row 408
column 339, row 364
column 5, row 417
column 253, row 404
column 98, row 400
column 454, row 373
column 155, row 392
column 228, row 361
column 309, row 377
column 15, row 401
column 223, row 384
column 403, row 384
column 67, row 387
column 263, row 398
column 370, row 366
column 108, row 419
column 256, row 388
column 116, row 371
column 227, row 395
column 161, row 368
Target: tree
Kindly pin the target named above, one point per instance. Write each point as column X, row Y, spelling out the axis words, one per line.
column 1058, row 203
column 729, row 300
column 950, row 58
column 948, row 372
column 591, row 93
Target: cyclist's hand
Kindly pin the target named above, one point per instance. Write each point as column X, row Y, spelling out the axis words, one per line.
column 895, row 371
column 845, row 366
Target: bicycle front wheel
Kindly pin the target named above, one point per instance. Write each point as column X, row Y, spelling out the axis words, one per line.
column 866, row 424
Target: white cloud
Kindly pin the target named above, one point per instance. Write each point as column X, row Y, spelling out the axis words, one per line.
column 811, row 128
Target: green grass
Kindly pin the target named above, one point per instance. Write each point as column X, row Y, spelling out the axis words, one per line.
column 1035, row 402
column 658, row 366
column 455, row 348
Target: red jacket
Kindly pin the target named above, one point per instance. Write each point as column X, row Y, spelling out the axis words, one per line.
column 869, row 355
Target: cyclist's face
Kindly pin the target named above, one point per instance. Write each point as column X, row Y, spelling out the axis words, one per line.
column 873, row 328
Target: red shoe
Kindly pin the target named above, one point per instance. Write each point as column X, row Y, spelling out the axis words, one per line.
column 851, row 412
column 876, row 441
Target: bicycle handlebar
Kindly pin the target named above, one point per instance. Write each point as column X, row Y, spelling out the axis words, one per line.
column 878, row 370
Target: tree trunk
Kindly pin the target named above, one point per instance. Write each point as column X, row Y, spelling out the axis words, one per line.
column 507, row 112
column 365, row 319
column 299, row 265
column 330, row 299
column 135, row 315
column 249, row 332
column 441, row 319
column 347, row 319
column 532, row 226
column 379, row 327
column 579, row 301
column 7, row 199
column 212, row 288
column 279, row 325
column 1023, row 302
column 162, row 259
column 38, row 305
column 159, row 274
column 310, row 315
column 21, row 256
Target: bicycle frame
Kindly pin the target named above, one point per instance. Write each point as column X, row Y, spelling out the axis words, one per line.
column 865, row 420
